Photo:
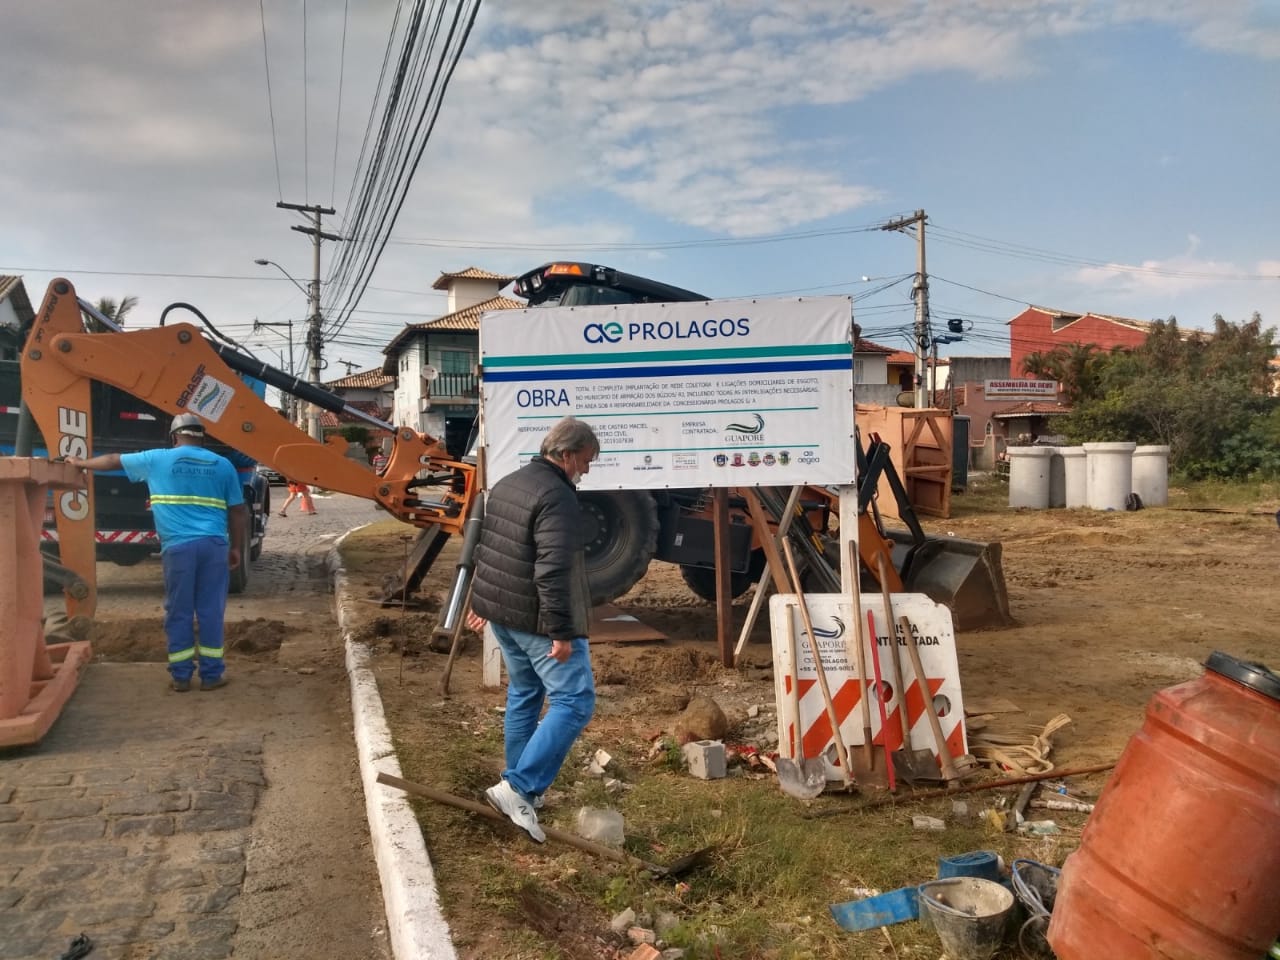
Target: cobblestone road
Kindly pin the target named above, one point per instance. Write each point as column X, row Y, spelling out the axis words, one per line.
column 198, row 825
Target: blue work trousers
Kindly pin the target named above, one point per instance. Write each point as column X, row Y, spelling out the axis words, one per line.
column 536, row 750
column 196, row 576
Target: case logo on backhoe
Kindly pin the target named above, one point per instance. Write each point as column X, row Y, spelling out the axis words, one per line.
column 73, row 441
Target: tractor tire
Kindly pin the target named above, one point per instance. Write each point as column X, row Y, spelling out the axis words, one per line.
column 702, row 580
column 620, row 535
column 255, row 551
column 239, row 581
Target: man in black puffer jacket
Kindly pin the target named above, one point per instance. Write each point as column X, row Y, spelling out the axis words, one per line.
column 531, row 586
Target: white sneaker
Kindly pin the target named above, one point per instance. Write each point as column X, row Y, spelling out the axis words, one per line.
column 507, row 801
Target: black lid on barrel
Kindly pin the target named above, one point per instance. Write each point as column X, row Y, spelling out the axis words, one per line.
column 1255, row 676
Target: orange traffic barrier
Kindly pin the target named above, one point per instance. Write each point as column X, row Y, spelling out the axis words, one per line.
column 36, row 679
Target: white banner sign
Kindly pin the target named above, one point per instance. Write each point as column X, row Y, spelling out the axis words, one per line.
column 1021, row 388
column 796, row 677
column 710, row 394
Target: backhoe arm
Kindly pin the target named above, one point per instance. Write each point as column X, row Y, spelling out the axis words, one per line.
column 176, row 369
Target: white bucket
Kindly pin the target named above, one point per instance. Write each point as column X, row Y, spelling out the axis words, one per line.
column 1109, row 467
column 1029, row 476
column 1151, row 475
column 1075, row 477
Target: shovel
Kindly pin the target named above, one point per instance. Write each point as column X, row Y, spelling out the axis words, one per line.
column 863, row 763
column 912, row 766
column 799, row 778
column 842, row 751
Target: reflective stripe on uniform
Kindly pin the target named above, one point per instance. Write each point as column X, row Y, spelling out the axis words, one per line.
column 179, row 655
column 172, row 499
column 211, row 653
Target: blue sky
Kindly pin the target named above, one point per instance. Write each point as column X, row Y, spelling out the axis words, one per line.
column 1109, row 156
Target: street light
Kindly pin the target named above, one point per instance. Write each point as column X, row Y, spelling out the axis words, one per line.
column 271, row 263
column 294, row 407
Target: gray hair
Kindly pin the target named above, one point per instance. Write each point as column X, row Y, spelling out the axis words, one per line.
column 569, row 436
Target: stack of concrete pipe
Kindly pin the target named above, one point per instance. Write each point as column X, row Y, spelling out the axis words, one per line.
column 1100, row 476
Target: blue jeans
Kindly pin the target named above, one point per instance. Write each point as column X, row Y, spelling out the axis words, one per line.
column 536, row 750
column 196, row 576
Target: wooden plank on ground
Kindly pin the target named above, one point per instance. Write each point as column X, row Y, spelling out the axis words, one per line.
column 611, row 625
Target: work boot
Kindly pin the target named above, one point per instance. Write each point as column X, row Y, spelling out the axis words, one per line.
column 180, row 686
column 507, row 801
column 206, row 685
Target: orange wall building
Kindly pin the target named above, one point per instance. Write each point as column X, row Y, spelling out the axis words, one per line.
column 1041, row 329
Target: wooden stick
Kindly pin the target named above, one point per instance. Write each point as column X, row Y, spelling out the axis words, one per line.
column 456, row 641
column 846, row 768
column 772, row 568
column 947, row 762
column 486, row 811
column 989, row 785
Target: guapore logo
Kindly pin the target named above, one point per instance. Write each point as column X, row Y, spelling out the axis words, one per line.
column 747, row 428
column 831, row 632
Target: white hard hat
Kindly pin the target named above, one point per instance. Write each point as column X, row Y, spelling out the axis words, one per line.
column 186, row 423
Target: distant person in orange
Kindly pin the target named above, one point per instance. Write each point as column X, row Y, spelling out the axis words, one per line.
column 302, row 493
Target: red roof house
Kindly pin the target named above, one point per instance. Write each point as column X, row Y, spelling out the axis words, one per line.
column 1041, row 329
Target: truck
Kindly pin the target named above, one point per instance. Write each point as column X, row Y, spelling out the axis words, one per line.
column 125, row 532
column 628, row 529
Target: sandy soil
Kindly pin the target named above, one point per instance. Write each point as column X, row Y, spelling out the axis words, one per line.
column 1110, row 608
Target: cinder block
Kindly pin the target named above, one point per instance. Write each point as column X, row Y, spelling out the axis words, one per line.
column 706, row 759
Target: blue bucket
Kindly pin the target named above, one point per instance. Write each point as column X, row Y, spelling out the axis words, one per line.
column 983, row 864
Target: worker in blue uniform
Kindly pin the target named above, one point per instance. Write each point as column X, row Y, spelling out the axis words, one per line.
column 195, row 499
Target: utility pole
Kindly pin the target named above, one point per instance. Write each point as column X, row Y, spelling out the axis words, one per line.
column 349, row 365
column 315, row 339
column 919, row 293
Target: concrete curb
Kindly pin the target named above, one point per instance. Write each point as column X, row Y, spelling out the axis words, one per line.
column 415, row 921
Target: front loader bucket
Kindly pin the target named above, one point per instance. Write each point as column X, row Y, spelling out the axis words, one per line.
column 966, row 575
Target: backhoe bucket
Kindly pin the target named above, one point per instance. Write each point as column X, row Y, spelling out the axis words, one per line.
column 966, row 575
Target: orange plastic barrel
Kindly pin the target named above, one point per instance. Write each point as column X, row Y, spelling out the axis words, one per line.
column 1180, row 859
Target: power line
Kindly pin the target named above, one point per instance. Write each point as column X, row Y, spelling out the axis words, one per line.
column 1025, row 252
column 624, row 246
column 275, row 147
column 342, row 69
column 454, row 43
column 306, row 119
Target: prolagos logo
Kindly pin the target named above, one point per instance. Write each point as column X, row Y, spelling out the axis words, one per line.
column 750, row 429
column 610, row 332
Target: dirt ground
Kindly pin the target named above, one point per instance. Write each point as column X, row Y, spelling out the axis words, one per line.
column 1109, row 608
column 311, row 885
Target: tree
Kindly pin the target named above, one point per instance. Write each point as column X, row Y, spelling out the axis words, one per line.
column 1076, row 366
column 1205, row 395
column 109, row 308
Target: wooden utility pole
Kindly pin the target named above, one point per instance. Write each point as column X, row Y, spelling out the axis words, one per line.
column 315, row 339
column 919, row 293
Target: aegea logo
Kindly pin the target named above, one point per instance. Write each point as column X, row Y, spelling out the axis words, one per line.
column 614, row 332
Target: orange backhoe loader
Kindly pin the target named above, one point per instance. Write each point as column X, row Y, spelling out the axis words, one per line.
column 177, row 369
